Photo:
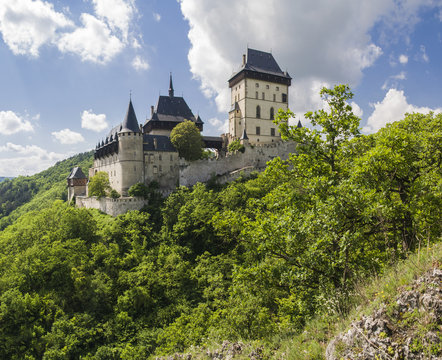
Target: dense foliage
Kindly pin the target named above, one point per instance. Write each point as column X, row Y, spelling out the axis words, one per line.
column 187, row 140
column 25, row 193
column 99, row 184
column 236, row 145
column 247, row 261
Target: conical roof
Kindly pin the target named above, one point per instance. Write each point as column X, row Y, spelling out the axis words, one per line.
column 130, row 122
column 299, row 124
column 244, row 135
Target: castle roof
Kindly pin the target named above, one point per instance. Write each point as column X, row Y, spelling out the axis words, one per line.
column 76, row 173
column 262, row 66
column 170, row 111
column 130, row 122
column 244, row 135
column 157, row 143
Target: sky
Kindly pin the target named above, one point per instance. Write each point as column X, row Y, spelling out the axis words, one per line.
column 68, row 68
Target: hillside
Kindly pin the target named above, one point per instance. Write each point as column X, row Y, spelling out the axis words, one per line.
column 270, row 264
column 3, row 178
column 25, row 193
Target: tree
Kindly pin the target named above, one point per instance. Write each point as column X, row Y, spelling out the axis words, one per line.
column 99, row 184
column 187, row 140
column 139, row 190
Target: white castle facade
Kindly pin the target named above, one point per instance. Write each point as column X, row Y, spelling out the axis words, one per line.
column 142, row 153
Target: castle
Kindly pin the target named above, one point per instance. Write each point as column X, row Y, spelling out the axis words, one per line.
column 135, row 153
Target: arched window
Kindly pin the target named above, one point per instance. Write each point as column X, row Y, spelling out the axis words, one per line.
column 258, row 112
column 272, row 113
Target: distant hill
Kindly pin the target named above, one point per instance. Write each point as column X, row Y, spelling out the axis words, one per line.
column 3, row 178
column 25, row 193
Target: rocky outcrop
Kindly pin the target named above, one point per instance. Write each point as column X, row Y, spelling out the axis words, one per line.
column 407, row 328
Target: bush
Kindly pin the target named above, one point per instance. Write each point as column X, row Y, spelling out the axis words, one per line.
column 99, row 184
column 236, row 145
column 139, row 190
column 114, row 194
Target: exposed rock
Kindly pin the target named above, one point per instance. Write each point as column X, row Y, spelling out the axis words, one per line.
column 410, row 328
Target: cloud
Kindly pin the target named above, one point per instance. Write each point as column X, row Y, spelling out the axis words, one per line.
column 11, row 123
column 27, row 25
column 403, row 59
column 392, row 108
column 117, row 13
column 92, row 42
column 325, row 42
column 422, row 55
column 67, row 137
column 140, row 64
column 95, row 122
column 157, row 17
column 219, row 124
column 26, row 160
column 356, row 109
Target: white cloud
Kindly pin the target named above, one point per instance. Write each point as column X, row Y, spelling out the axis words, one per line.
column 27, row 25
column 356, row 109
column 92, row 42
column 392, row 108
column 117, row 13
column 11, row 123
column 157, row 17
column 220, row 125
column 67, row 137
column 403, row 59
column 317, row 42
column 95, row 122
column 26, row 160
column 139, row 63
column 422, row 55
column 393, row 80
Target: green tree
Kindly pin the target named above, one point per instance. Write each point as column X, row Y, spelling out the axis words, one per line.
column 187, row 140
column 139, row 190
column 99, row 184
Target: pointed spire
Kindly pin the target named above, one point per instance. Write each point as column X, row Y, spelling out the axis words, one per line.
column 170, row 86
column 244, row 135
column 130, row 122
column 299, row 124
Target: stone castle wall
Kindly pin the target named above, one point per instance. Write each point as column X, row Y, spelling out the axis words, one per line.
column 230, row 167
column 110, row 206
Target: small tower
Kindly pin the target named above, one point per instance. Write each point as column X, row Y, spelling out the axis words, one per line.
column 77, row 183
column 171, row 92
column 244, row 138
column 130, row 152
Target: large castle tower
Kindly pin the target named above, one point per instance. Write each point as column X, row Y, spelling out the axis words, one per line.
column 258, row 91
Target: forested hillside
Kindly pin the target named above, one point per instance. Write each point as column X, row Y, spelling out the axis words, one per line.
column 254, row 261
column 25, row 193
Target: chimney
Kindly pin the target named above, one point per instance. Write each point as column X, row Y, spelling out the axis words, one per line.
column 151, row 110
column 243, row 59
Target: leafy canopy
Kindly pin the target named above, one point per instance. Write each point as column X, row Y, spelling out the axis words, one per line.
column 99, row 184
column 187, row 140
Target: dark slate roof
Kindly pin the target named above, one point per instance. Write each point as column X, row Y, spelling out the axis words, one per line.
column 173, row 106
column 261, row 62
column 299, row 124
column 130, row 122
column 198, row 120
column 76, row 173
column 244, row 135
column 163, row 143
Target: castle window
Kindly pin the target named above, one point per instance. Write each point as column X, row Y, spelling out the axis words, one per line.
column 267, row 87
column 272, row 132
column 155, row 169
column 284, row 98
column 258, row 130
column 256, row 94
column 263, row 96
column 256, row 85
column 160, row 157
column 258, row 112
column 272, row 113
column 274, row 97
column 151, row 158
column 161, row 169
column 277, row 88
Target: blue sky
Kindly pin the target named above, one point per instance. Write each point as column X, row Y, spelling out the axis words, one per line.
column 68, row 67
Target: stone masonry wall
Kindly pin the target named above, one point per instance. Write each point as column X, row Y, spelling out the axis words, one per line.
column 110, row 206
column 228, row 168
